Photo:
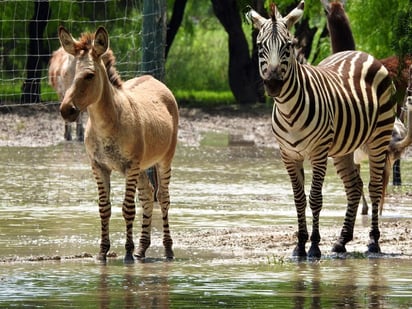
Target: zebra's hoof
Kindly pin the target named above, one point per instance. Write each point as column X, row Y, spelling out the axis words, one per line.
column 169, row 254
column 128, row 258
column 140, row 255
column 338, row 247
column 314, row 252
column 299, row 252
column 374, row 247
column 102, row 257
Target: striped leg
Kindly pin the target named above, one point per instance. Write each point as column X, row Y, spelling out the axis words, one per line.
column 376, row 165
column 164, row 202
column 378, row 162
column 319, row 166
column 129, row 210
column 146, row 199
column 349, row 174
column 296, row 174
column 102, row 176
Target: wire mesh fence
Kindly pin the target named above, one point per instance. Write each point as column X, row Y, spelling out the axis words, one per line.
column 28, row 37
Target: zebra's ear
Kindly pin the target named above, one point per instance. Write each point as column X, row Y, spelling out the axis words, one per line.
column 294, row 16
column 67, row 41
column 253, row 17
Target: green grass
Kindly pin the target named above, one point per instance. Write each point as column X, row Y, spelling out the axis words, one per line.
column 203, row 98
column 10, row 92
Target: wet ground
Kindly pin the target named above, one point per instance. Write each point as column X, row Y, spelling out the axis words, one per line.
column 232, row 220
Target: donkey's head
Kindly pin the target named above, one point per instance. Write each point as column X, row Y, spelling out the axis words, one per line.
column 90, row 74
column 339, row 26
column 275, row 45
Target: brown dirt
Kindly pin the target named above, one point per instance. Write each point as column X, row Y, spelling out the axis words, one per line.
column 42, row 126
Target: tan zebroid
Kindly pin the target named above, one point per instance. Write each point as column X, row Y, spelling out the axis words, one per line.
column 132, row 126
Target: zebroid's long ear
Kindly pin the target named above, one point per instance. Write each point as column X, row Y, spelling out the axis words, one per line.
column 101, row 41
column 254, row 18
column 295, row 15
column 67, row 41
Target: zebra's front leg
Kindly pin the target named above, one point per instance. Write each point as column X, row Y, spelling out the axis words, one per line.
column 129, row 210
column 353, row 184
column 146, row 198
column 316, row 201
column 296, row 174
column 164, row 201
column 102, row 176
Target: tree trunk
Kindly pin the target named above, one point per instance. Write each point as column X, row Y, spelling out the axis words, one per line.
column 242, row 70
column 35, row 57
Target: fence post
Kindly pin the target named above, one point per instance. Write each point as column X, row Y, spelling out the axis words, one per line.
column 154, row 38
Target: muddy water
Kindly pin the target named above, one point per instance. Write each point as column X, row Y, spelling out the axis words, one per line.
column 49, row 229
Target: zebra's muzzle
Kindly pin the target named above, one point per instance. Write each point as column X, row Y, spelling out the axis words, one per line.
column 273, row 87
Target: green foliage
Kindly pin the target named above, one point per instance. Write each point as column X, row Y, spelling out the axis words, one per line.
column 198, row 59
column 197, row 66
column 123, row 23
column 402, row 41
column 374, row 25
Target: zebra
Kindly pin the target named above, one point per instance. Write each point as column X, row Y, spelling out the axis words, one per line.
column 324, row 111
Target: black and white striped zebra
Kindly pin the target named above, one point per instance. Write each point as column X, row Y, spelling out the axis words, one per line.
column 325, row 111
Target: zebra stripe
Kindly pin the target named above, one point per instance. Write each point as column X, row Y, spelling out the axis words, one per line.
column 324, row 111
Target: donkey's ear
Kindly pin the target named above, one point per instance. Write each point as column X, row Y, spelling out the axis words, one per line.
column 101, row 41
column 67, row 41
column 253, row 17
column 326, row 5
column 294, row 16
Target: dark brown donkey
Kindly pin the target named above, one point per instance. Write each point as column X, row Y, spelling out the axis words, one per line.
column 132, row 126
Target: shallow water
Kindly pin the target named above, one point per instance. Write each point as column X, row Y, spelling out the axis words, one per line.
column 48, row 209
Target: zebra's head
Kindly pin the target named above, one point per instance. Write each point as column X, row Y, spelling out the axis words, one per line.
column 275, row 45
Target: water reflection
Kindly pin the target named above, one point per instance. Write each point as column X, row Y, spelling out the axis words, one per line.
column 204, row 282
column 307, row 284
column 141, row 286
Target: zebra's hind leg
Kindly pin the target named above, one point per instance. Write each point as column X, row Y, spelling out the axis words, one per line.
column 296, row 174
column 164, row 202
column 377, row 166
column 353, row 184
column 146, row 198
